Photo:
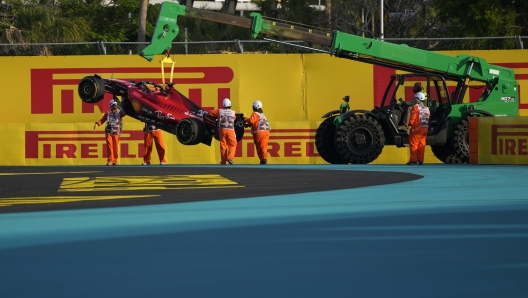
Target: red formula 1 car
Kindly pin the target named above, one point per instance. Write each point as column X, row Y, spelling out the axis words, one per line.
column 162, row 106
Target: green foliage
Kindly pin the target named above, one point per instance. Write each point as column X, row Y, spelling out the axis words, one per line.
column 41, row 23
column 73, row 21
column 152, row 18
column 31, row 21
column 199, row 30
column 354, row 17
column 521, row 18
column 297, row 11
column 109, row 20
column 289, row 11
column 480, row 17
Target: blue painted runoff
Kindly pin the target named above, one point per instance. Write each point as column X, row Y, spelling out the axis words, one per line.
column 460, row 231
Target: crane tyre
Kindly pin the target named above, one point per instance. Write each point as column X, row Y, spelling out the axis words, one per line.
column 359, row 139
column 445, row 153
column 461, row 141
column 325, row 142
column 127, row 107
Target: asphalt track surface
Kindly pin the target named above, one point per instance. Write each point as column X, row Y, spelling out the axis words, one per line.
column 264, row 231
column 163, row 185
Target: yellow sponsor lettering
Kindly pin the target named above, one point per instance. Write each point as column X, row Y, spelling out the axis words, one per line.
column 4, row 202
column 170, row 182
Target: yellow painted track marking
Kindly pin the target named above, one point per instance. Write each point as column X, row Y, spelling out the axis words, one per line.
column 65, row 199
column 169, row 182
column 47, row 173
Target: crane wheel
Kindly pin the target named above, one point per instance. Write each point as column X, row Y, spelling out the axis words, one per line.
column 359, row 139
column 445, row 153
column 461, row 141
column 324, row 142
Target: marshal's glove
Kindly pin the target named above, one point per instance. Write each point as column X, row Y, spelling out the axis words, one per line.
column 95, row 125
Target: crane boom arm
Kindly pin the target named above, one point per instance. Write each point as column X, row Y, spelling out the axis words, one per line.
column 343, row 45
column 403, row 57
column 167, row 29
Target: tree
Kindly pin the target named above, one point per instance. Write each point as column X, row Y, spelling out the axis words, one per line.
column 29, row 23
column 298, row 11
column 521, row 19
column 295, row 12
column 405, row 18
column 199, row 30
column 143, row 5
column 352, row 16
column 481, row 17
column 402, row 18
column 34, row 23
column 108, row 20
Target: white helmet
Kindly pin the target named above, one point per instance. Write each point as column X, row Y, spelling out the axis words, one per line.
column 113, row 102
column 257, row 104
column 226, row 103
column 420, row 96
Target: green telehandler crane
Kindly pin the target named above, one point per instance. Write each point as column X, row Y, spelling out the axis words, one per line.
column 358, row 136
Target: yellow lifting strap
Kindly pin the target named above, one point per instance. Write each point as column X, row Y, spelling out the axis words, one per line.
column 165, row 60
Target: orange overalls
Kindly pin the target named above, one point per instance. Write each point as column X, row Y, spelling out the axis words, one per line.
column 226, row 133
column 153, row 135
column 260, row 129
column 419, row 121
column 112, row 130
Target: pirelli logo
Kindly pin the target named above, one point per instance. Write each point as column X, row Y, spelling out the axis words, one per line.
column 282, row 143
column 88, row 144
column 509, row 139
column 80, row 144
column 45, row 82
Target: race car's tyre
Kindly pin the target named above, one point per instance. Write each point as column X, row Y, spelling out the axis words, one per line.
column 239, row 127
column 445, row 153
column 324, row 142
column 190, row 131
column 359, row 139
column 461, row 141
column 126, row 107
column 91, row 89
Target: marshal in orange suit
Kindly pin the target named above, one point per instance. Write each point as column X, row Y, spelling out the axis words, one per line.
column 226, row 133
column 419, row 122
column 260, row 129
column 113, row 119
